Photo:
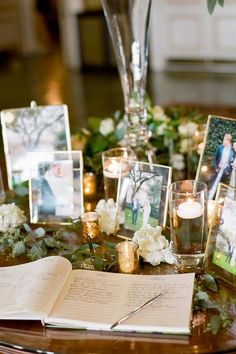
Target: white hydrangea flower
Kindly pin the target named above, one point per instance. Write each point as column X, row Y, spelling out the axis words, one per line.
column 177, row 161
column 187, row 129
column 185, row 145
column 153, row 246
column 11, row 216
column 107, row 211
column 106, row 126
column 159, row 114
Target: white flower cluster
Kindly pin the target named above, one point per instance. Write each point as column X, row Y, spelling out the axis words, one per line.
column 187, row 129
column 177, row 162
column 159, row 115
column 107, row 211
column 153, row 246
column 106, row 126
column 11, row 216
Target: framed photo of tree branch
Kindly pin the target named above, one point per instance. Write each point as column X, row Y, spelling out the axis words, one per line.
column 218, row 159
column 142, row 196
column 55, row 186
column 220, row 257
column 36, row 128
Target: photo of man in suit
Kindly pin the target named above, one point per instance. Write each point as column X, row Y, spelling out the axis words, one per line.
column 223, row 159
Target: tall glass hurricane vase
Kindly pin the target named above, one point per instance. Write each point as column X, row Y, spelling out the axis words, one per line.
column 128, row 22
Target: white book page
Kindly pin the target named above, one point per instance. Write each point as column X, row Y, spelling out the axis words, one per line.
column 30, row 290
column 96, row 300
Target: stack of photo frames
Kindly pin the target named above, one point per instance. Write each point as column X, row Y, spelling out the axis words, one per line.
column 217, row 168
column 37, row 149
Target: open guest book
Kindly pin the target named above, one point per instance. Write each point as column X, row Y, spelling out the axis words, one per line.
column 50, row 291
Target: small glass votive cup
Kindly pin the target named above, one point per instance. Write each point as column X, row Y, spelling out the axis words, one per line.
column 188, row 224
column 89, row 185
column 127, row 257
column 90, row 223
column 111, row 162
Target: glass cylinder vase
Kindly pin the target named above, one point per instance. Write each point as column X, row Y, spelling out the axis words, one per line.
column 128, row 22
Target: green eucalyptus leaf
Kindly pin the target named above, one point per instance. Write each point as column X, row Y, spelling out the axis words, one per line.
column 27, row 228
column 98, row 263
column 39, row 232
column 50, row 242
column 211, row 5
column 21, row 190
column 94, row 123
column 98, row 143
column 221, row 2
column 201, row 295
column 215, row 323
column 37, row 252
column 18, row 249
column 210, row 283
column 109, row 244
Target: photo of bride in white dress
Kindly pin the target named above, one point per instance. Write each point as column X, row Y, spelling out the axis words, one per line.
column 146, row 208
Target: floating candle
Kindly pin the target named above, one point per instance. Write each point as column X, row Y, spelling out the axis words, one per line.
column 190, row 210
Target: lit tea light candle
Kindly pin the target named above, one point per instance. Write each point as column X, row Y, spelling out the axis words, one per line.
column 112, row 169
column 190, row 210
column 127, row 257
column 89, row 184
column 91, row 226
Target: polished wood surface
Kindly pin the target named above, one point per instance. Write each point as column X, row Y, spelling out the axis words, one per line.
column 30, row 336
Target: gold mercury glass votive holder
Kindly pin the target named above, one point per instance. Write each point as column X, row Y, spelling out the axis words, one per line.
column 127, row 257
column 90, row 222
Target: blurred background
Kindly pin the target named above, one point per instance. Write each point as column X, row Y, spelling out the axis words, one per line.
column 59, row 51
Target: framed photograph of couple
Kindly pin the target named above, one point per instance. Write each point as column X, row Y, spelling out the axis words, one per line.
column 220, row 257
column 142, row 196
column 218, row 158
column 35, row 128
column 55, row 186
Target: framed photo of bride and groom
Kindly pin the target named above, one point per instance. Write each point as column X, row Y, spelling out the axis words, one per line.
column 220, row 256
column 218, row 159
column 142, row 195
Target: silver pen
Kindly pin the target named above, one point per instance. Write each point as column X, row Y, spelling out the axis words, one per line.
column 139, row 308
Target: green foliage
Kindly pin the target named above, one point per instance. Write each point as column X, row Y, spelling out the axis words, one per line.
column 103, row 260
column 211, row 4
column 33, row 244
column 220, row 313
column 162, row 126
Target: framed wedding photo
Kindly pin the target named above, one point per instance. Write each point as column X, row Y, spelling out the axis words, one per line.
column 36, row 128
column 55, row 187
column 218, row 159
column 220, row 258
column 142, row 196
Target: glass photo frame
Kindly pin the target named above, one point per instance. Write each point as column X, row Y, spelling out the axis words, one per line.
column 35, row 128
column 220, row 257
column 142, row 196
column 217, row 162
column 55, row 187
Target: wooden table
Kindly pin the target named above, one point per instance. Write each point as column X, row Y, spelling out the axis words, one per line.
column 29, row 336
